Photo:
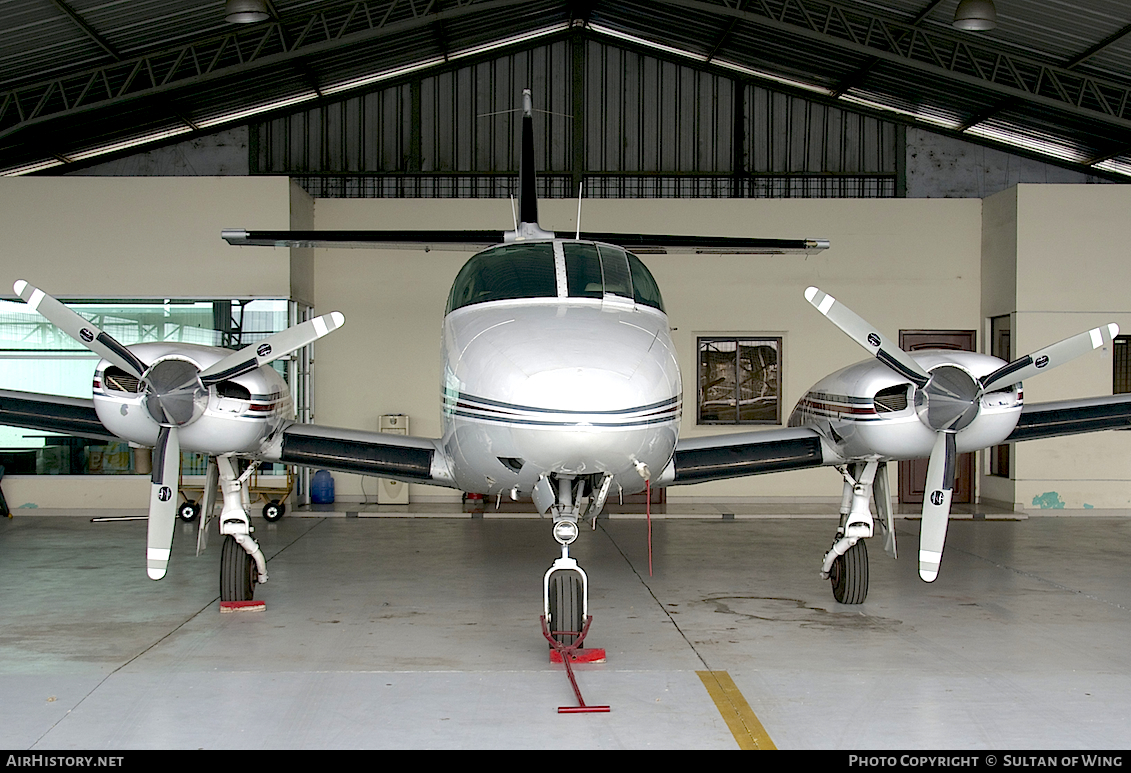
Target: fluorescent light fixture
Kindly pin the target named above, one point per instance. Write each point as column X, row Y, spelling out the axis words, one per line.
column 1116, row 165
column 603, row 30
column 205, row 123
column 365, row 80
column 32, row 167
column 770, row 76
column 124, row 144
column 1028, row 142
column 919, row 115
column 512, row 40
column 697, row 57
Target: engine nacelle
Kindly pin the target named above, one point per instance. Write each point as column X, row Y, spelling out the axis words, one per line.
column 239, row 415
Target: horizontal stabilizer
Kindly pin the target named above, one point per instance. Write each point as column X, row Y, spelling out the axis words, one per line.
column 461, row 241
column 473, row 241
column 723, row 245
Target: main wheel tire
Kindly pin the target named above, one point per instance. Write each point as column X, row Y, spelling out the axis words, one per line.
column 238, row 574
column 274, row 510
column 188, row 511
column 566, row 606
column 849, row 575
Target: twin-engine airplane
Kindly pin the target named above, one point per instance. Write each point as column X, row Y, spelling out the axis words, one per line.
column 560, row 383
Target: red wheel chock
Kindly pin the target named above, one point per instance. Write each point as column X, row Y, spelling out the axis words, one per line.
column 567, row 654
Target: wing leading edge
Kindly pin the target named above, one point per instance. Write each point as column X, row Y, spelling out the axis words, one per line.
column 50, row 413
column 718, row 457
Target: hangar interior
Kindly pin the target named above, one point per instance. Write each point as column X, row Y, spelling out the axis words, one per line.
column 967, row 182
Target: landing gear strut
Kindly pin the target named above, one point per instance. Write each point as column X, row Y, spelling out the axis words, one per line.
column 242, row 564
column 565, row 585
column 846, row 563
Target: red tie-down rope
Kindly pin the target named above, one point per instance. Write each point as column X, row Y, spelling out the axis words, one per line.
column 648, row 512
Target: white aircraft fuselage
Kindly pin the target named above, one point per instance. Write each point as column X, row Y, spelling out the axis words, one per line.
column 553, row 364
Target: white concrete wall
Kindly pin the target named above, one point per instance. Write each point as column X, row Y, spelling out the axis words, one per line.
column 1073, row 273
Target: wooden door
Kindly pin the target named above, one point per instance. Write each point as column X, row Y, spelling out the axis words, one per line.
column 913, row 474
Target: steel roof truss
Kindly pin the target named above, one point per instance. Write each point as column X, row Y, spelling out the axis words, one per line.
column 972, row 62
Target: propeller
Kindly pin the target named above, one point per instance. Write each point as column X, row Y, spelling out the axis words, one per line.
column 176, row 394
column 947, row 400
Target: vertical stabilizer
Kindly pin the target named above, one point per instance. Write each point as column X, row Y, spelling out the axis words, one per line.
column 528, row 227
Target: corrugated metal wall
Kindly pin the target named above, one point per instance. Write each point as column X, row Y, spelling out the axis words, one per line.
column 650, row 127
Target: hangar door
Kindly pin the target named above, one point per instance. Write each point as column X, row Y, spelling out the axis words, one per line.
column 913, row 474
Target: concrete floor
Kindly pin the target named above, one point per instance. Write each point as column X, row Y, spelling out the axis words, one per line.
column 422, row 632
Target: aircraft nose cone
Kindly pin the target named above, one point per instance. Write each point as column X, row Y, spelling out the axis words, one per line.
column 949, row 401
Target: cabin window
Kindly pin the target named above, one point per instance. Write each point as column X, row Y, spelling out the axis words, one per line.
column 506, row 272
column 739, row 380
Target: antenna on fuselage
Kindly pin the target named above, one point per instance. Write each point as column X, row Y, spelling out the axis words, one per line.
column 580, row 188
column 527, row 227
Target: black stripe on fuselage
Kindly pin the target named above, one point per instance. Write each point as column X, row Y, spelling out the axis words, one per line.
column 525, row 409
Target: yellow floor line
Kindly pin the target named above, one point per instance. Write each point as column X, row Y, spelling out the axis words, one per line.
column 736, row 712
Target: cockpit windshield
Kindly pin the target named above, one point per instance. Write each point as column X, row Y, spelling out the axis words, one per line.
column 530, row 270
column 506, row 271
column 597, row 270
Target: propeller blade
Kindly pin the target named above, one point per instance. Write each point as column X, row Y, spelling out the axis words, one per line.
column 79, row 329
column 271, row 348
column 936, row 505
column 1050, row 357
column 163, row 502
column 867, row 336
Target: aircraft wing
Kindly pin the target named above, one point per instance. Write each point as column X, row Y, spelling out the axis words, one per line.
column 398, row 457
column 1072, row 417
column 717, row 457
column 50, row 413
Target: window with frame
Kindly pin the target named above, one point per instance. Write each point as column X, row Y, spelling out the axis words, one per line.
column 1121, row 365
column 739, row 380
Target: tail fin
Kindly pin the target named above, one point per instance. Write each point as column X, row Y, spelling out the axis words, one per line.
column 528, row 227
column 527, row 196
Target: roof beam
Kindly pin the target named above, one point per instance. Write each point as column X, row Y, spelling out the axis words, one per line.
column 237, row 51
column 89, row 30
column 855, row 78
column 968, row 60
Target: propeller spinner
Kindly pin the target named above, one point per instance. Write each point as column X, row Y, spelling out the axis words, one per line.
column 948, row 399
column 176, row 394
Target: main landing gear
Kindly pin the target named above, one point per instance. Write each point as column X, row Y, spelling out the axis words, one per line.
column 846, row 563
column 242, row 564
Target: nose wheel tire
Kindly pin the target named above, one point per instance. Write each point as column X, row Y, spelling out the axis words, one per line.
column 238, row 574
column 566, row 602
column 849, row 575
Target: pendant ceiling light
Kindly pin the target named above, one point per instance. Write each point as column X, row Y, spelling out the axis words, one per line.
column 975, row 15
column 246, row 11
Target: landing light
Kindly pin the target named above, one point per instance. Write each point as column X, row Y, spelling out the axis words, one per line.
column 565, row 532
